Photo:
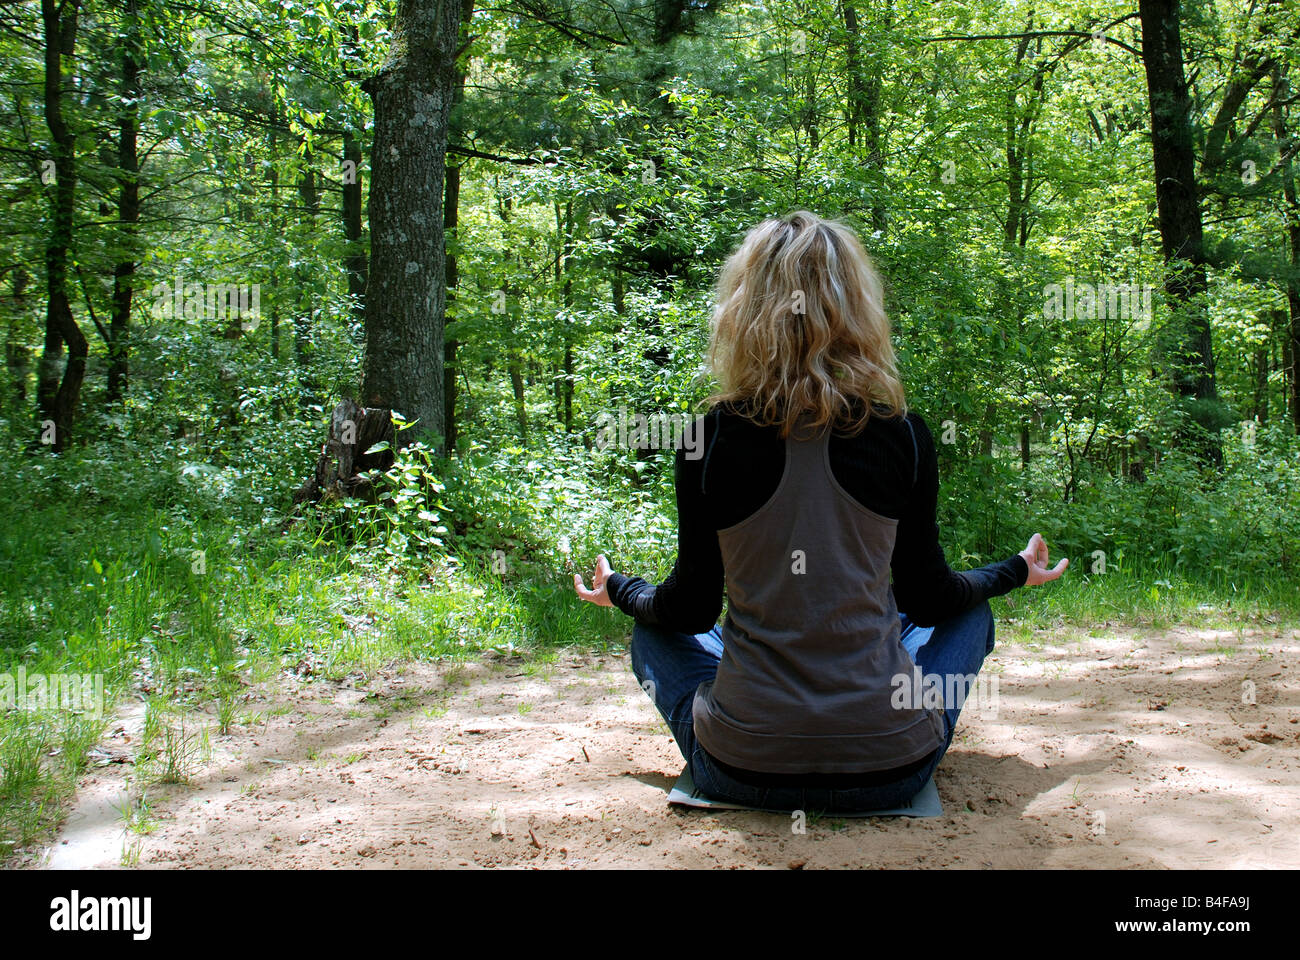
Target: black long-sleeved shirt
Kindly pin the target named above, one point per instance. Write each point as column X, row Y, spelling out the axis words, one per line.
column 887, row 468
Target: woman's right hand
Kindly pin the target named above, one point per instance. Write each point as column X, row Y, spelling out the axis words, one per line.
column 598, row 594
column 1036, row 558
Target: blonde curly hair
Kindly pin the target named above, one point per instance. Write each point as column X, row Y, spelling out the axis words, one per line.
column 799, row 327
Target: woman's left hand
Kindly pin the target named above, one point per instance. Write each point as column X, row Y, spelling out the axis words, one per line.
column 1037, row 559
column 597, row 594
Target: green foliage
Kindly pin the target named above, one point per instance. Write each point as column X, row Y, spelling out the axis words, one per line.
column 404, row 517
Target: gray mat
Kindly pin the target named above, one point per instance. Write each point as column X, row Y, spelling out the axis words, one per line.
column 925, row 804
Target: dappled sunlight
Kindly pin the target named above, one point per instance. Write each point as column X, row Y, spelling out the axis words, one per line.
column 1081, row 763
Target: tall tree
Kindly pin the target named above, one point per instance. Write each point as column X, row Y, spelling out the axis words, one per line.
column 128, row 202
column 58, row 396
column 304, row 321
column 1291, row 218
column 863, row 103
column 406, row 288
column 17, row 355
column 451, row 218
column 1190, row 346
column 355, row 261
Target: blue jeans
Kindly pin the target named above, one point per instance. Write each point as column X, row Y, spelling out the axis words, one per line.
column 670, row 666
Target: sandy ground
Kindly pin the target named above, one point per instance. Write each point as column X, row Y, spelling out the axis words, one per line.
column 1111, row 750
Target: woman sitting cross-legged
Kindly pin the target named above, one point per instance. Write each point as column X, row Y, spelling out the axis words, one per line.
column 815, row 484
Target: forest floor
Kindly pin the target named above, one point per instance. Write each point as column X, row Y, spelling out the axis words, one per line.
column 1110, row 747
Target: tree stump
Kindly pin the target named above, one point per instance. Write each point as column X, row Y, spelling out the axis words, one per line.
column 343, row 458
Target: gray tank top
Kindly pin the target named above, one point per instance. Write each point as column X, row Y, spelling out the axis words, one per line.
column 811, row 639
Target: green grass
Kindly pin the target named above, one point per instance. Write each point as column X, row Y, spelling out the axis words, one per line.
column 118, row 590
column 1150, row 596
column 137, row 813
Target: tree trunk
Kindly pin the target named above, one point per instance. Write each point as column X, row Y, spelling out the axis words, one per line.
column 1261, row 382
column 304, row 321
column 517, row 387
column 1291, row 393
column 864, row 107
column 59, row 396
column 276, row 257
column 276, row 230
column 1291, row 217
column 407, row 284
column 17, row 355
column 355, row 261
column 128, row 207
column 564, row 277
column 450, row 219
column 853, row 64
column 1190, row 355
column 353, row 431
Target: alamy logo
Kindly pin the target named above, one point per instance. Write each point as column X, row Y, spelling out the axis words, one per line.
column 208, row 301
column 939, row 691
column 76, row 913
column 660, row 431
column 74, row 692
column 1101, row 301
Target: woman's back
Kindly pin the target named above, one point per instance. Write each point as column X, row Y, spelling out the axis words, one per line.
column 889, row 468
column 811, row 638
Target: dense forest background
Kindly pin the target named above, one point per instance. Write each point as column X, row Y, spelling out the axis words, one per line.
column 1086, row 215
